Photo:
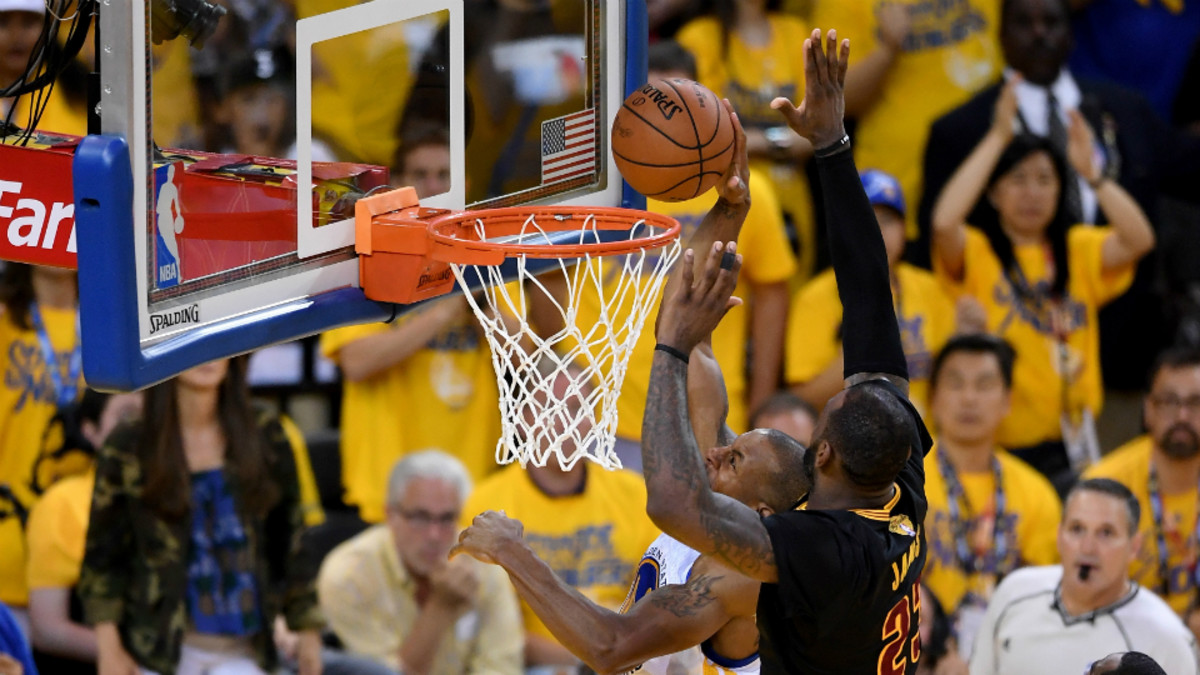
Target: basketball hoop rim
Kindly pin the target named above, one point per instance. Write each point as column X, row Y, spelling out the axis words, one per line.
column 446, row 231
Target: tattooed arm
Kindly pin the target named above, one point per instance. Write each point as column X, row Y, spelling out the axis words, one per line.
column 667, row 620
column 679, row 498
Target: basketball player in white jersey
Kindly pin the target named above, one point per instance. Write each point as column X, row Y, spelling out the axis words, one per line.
column 679, row 599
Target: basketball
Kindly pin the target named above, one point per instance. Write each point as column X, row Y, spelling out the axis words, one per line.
column 672, row 139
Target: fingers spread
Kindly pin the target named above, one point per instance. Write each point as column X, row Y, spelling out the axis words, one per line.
column 782, row 103
column 712, row 266
column 688, row 271
column 814, row 61
column 831, row 61
column 844, row 62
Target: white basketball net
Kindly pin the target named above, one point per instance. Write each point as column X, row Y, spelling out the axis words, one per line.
column 558, row 393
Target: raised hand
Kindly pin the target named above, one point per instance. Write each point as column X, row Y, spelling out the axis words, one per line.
column 697, row 305
column 1004, row 115
column 488, row 533
column 820, row 116
column 734, row 186
column 1081, row 147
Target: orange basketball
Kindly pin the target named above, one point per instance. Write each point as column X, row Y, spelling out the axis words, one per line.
column 672, row 139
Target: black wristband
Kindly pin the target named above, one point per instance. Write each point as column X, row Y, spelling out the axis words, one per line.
column 668, row 349
column 833, row 148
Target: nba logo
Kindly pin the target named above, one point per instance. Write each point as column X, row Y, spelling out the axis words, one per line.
column 168, row 225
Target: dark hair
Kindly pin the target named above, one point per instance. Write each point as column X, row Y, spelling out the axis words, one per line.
column 790, row 482
column 160, row 448
column 419, row 135
column 1021, row 147
column 1137, row 663
column 727, row 13
column 16, row 293
column 670, row 55
column 781, row 402
column 1172, row 358
column 1112, row 488
column 976, row 343
column 872, row 434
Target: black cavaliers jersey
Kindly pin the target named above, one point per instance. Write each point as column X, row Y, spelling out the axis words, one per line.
column 847, row 598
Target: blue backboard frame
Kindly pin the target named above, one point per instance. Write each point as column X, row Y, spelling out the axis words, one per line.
column 116, row 358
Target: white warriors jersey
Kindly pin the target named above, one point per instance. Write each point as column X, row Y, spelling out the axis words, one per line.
column 668, row 562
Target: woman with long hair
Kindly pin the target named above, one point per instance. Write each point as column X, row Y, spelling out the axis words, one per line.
column 194, row 545
column 1038, row 279
column 42, row 369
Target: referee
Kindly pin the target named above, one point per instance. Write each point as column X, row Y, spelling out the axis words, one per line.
column 1060, row 618
column 840, row 571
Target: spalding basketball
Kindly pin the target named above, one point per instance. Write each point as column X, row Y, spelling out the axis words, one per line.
column 672, row 139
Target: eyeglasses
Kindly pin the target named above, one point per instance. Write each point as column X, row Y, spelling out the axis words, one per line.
column 1173, row 404
column 423, row 519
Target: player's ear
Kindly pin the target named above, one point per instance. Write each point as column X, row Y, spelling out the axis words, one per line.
column 824, row 454
column 764, row 510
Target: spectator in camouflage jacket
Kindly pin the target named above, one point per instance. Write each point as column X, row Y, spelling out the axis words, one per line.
column 146, row 539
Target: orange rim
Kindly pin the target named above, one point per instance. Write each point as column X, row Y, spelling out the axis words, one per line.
column 456, row 240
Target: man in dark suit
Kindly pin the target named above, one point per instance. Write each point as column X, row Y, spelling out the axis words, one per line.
column 1144, row 155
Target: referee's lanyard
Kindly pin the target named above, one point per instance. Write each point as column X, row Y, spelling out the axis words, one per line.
column 64, row 392
column 1164, row 570
column 982, row 562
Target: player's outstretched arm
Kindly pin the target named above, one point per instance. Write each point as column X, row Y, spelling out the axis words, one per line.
column 871, row 335
column 668, row 620
column 724, row 220
column 708, row 400
column 679, row 498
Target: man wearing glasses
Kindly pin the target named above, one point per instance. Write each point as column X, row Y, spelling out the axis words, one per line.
column 391, row 596
column 1163, row 469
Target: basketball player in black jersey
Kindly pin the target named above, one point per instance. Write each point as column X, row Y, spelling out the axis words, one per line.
column 840, row 573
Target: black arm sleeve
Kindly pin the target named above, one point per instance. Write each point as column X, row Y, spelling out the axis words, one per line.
column 870, row 333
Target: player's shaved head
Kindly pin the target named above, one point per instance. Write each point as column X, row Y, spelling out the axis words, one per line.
column 870, row 431
column 791, row 481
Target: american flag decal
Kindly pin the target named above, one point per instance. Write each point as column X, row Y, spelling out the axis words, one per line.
column 568, row 147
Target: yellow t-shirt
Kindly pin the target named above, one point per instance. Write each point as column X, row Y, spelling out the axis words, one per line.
column 176, row 106
column 58, row 531
column 1038, row 373
column 1130, row 466
column 751, row 77
column 952, row 52
column 27, row 403
column 443, row 396
column 59, row 115
column 350, row 110
column 923, row 310
column 1031, row 516
column 767, row 259
column 593, row 541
